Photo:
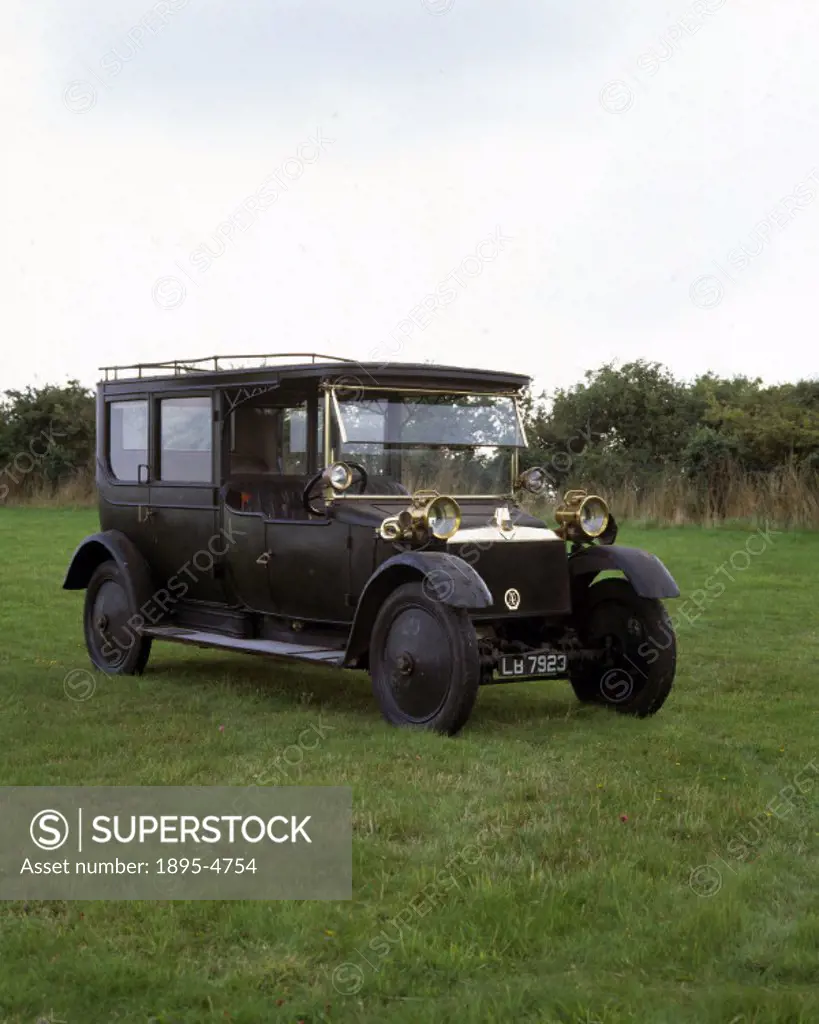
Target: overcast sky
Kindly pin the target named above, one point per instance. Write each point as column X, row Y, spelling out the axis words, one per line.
column 525, row 185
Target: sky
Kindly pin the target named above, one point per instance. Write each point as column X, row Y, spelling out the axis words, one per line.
column 527, row 185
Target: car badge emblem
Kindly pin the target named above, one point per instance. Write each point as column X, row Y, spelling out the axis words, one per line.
column 512, row 599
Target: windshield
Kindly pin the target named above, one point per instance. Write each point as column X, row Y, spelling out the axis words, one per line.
column 468, row 420
column 455, row 444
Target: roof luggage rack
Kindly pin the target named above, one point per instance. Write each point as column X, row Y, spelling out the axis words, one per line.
column 210, row 364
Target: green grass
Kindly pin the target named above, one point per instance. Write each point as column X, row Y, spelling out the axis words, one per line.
column 562, row 837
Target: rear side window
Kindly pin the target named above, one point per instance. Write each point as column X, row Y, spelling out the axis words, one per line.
column 128, row 433
column 186, row 439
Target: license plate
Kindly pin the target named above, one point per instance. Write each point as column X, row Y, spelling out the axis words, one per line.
column 543, row 664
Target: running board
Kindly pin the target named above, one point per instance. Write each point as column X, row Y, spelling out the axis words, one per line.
column 276, row 648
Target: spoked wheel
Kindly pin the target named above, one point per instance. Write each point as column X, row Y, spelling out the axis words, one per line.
column 114, row 645
column 424, row 661
column 637, row 670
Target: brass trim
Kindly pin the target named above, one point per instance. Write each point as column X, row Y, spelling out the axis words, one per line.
column 341, row 428
column 521, row 427
column 328, row 455
column 408, row 497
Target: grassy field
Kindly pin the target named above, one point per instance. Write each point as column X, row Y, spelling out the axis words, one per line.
column 604, row 869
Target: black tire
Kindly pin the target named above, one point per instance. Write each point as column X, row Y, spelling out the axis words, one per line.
column 114, row 646
column 424, row 661
column 638, row 673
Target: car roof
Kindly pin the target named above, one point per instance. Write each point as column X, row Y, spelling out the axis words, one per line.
column 243, row 371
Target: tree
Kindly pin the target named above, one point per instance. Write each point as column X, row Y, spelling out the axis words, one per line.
column 46, row 435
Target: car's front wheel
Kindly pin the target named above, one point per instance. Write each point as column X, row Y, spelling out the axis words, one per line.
column 114, row 644
column 424, row 661
column 635, row 674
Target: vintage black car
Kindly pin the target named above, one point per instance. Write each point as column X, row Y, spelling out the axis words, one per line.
column 359, row 516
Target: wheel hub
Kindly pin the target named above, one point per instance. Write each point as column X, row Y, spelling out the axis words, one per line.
column 405, row 663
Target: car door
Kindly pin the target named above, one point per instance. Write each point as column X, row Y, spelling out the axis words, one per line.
column 280, row 561
column 308, row 556
column 124, row 467
column 246, row 557
column 309, row 569
column 188, row 543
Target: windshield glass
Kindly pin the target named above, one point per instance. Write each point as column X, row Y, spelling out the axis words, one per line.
column 447, row 470
column 456, row 444
column 468, row 420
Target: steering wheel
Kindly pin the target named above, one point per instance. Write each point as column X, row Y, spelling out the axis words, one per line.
column 308, row 496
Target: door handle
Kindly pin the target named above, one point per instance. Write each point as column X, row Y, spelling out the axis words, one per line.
column 144, row 513
column 264, row 558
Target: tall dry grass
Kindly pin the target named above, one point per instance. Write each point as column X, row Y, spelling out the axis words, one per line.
column 787, row 498
column 77, row 491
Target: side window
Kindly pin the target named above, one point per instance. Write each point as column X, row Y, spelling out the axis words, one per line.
column 128, row 438
column 269, row 439
column 186, row 440
column 294, row 440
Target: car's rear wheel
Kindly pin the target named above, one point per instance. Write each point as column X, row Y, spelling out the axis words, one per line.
column 636, row 673
column 114, row 645
column 424, row 661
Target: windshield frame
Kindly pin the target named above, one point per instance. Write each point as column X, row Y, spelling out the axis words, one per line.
column 332, row 414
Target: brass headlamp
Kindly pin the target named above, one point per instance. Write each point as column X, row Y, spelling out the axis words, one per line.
column 338, row 476
column 582, row 516
column 429, row 513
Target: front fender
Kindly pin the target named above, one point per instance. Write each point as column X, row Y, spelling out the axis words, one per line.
column 644, row 571
column 449, row 578
column 110, row 545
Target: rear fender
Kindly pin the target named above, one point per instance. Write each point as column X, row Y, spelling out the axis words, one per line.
column 110, row 545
